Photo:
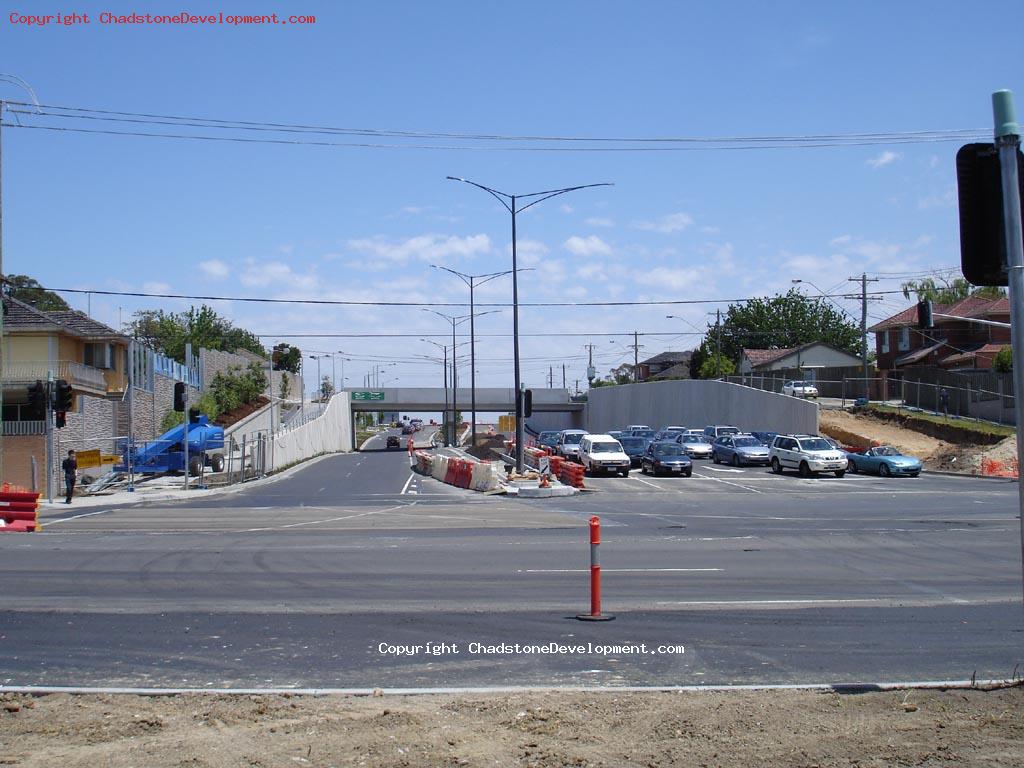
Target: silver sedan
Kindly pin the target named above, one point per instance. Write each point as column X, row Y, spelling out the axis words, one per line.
column 695, row 447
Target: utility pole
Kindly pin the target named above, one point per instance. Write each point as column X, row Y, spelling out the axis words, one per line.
column 864, row 280
column 563, row 376
column 636, row 358
column 591, row 371
column 50, row 461
column 551, row 377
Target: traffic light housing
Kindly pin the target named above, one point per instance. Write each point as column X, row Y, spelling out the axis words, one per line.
column 63, row 399
column 179, row 396
column 528, row 403
column 61, row 420
column 924, row 315
column 37, row 401
column 982, row 232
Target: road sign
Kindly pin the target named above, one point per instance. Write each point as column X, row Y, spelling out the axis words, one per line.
column 366, row 395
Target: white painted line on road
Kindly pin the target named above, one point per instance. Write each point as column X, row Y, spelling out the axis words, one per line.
column 727, row 482
column 48, row 523
column 328, row 520
column 406, row 486
column 647, row 482
column 725, row 469
column 618, row 570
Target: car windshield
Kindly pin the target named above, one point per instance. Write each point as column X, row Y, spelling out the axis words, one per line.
column 605, row 448
column 728, row 431
column 815, row 444
column 745, row 442
column 668, row 450
column 632, row 443
column 573, row 438
column 692, row 439
column 886, row 450
column 643, row 433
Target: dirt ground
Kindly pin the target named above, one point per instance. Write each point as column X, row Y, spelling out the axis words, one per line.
column 936, row 454
column 743, row 728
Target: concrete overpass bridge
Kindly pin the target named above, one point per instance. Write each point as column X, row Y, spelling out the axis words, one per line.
column 488, row 399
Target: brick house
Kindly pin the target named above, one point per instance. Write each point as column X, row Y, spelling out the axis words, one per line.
column 667, row 365
column 954, row 343
column 90, row 356
column 811, row 356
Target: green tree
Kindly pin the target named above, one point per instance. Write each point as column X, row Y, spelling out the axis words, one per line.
column 947, row 291
column 781, row 321
column 1003, row 362
column 716, row 366
column 286, row 387
column 169, row 332
column 286, row 357
column 623, row 374
column 326, row 388
column 26, row 289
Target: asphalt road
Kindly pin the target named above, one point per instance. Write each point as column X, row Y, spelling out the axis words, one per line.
column 300, row 581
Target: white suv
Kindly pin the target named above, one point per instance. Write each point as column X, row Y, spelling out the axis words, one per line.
column 808, row 454
column 800, row 389
column 603, row 453
column 568, row 444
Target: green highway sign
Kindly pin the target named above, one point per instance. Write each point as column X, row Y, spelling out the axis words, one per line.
column 367, row 395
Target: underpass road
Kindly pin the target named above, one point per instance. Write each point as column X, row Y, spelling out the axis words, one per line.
column 299, row 581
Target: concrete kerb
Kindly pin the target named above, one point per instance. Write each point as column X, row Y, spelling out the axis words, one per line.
column 967, row 685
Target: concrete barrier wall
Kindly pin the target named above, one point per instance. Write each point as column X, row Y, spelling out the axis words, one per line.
column 328, row 433
column 692, row 403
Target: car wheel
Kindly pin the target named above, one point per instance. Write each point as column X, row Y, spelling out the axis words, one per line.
column 735, row 459
column 688, row 473
column 714, row 457
column 217, row 462
column 805, row 470
column 195, row 465
column 850, row 465
column 840, row 472
column 643, row 469
column 884, row 471
column 625, row 473
column 776, row 466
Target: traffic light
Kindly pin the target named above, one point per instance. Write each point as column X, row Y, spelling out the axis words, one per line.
column 982, row 232
column 924, row 315
column 61, row 420
column 528, row 403
column 37, row 401
column 179, row 396
column 64, row 398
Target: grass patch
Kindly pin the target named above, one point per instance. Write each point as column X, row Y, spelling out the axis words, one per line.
column 362, row 436
column 967, row 426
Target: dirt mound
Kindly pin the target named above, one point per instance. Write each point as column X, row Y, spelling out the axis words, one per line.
column 862, row 430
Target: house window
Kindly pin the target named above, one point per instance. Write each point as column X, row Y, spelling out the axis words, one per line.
column 99, row 355
column 883, row 342
column 904, row 339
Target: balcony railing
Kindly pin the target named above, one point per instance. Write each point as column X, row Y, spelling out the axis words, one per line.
column 78, row 375
column 18, row 428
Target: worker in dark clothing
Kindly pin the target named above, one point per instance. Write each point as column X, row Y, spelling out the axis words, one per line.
column 70, row 467
column 944, row 400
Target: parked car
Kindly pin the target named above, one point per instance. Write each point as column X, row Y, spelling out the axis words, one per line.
column 800, row 389
column 666, row 457
column 808, row 454
column 634, row 447
column 568, row 444
column 648, row 433
column 738, row 450
column 631, row 427
column 765, row 437
column 835, row 444
column 715, row 431
column 603, row 453
column 668, row 434
column 696, row 446
column 886, row 461
column 393, row 442
column 548, row 439
column 616, row 433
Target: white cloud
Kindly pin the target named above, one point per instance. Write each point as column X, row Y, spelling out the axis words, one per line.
column 528, row 252
column 155, row 287
column 275, row 273
column 587, row 246
column 597, row 221
column 673, row 222
column 667, row 277
column 946, row 199
column 885, row 158
column 214, row 268
column 422, row 247
column 566, row 208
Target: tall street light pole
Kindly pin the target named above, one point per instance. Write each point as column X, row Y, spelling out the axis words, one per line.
column 511, row 205
column 444, row 417
column 317, row 358
column 471, row 281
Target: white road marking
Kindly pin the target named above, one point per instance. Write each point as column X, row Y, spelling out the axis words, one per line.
column 406, row 486
column 617, row 570
column 647, row 482
column 48, row 523
column 327, row 520
column 727, row 482
column 725, row 469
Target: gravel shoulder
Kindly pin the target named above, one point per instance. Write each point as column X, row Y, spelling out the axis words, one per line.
column 741, row 728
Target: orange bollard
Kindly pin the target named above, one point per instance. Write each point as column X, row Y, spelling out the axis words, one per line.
column 595, row 576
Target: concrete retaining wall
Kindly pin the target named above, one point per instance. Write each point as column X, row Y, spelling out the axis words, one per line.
column 692, row 403
column 328, row 433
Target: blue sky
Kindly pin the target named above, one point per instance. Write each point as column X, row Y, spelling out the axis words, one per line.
column 342, row 223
